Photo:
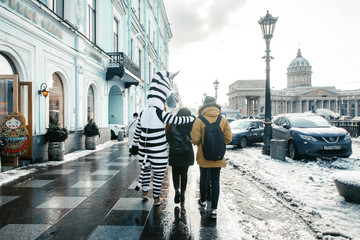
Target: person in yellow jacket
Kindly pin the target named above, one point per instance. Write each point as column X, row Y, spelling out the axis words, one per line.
column 210, row 110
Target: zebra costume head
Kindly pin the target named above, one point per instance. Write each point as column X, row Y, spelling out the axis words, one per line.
column 161, row 90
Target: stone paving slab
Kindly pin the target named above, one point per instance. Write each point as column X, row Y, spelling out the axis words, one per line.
column 93, row 197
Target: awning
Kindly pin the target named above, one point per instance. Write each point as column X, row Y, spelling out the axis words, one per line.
column 120, row 74
column 129, row 80
column 114, row 73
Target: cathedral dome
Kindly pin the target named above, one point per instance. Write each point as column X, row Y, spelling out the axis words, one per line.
column 299, row 72
column 299, row 61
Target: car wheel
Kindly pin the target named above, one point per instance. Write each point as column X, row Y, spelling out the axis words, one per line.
column 243, row 142
column 293, row 153
column 113, row 136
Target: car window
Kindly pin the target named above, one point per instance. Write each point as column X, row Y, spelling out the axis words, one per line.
column 261, row 124
column 282, row 121
column 277, row 121
column 309, row 122
column 239, row 124
column 254, row 125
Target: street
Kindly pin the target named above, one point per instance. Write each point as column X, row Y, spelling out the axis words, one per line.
column 274, row 198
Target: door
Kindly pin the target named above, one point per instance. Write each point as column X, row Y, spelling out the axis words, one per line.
column 8, row 103
column 25, row 108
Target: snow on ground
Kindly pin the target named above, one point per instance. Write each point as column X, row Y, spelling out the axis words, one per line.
column 307, row 187
column 11, row 175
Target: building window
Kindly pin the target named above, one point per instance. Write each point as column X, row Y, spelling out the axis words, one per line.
column 131, row 48
column 91, row 20
column 139, row 10
column 57, row 6
column 150, row 75
column 140, row 60
column 116, row 35
column 56, row 101
column 91, row 105
column 6, row 86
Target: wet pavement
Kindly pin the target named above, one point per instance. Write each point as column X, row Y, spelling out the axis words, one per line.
column 94, row 197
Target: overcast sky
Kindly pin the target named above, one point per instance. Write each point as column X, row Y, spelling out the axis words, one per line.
column 222, row 40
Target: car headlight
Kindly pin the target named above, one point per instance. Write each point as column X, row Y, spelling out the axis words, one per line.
column 347, row 137
column 307, row 138
column 117, row 127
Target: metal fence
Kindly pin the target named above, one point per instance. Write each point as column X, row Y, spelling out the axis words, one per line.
column 353, row 127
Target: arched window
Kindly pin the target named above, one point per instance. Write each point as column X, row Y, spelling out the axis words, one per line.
column 91, row 105
column 56, row 101
column 7, row 68
column 6, row 65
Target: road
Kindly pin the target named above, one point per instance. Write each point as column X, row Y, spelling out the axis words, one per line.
column 289, row 199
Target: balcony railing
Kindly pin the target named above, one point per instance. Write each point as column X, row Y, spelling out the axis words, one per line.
column 118, row 62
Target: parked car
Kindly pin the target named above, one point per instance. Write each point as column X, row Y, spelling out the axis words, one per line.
column 115, row 128
column 231, row 119
column 345, row 118
column 309, row 135
column 260, row 116
column 356, row 118
column 245, row 131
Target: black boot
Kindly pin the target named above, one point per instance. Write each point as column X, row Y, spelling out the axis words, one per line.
column 177, row 196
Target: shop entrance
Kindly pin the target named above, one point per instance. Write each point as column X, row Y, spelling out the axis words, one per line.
column 15, row 96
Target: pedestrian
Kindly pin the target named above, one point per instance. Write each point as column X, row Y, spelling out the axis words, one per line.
column 210, row 111
column 180, row 157
column 150, row 139
column 130, row 129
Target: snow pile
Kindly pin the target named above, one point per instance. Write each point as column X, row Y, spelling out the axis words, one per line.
column 306, row 187
column 348, row 177
column 11, row 175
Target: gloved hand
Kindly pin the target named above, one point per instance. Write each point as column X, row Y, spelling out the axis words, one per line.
column 134, row 150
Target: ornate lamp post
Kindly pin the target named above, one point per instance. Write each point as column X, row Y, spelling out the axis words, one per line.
column 267, row 24
column 216, row 86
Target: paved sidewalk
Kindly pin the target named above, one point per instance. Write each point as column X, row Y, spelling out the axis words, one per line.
column 93, row 197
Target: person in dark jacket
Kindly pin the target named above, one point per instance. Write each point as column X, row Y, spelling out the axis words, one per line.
column 180, row 162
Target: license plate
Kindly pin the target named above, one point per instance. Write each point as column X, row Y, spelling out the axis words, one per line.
column 332, row 147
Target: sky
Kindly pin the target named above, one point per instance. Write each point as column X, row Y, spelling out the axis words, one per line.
column 222, row 40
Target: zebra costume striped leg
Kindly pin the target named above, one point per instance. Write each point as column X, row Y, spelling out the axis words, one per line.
column 150, row 133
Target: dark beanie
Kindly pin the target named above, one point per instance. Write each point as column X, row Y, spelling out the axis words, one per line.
column 209, row 99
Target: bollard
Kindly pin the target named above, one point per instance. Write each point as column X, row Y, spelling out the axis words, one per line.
column 277, row 149
column 120, row 135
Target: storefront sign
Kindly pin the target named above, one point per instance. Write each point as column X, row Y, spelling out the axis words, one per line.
column 17, row 136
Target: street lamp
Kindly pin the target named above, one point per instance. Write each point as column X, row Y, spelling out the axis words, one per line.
column 267, row 27
column 216, row 86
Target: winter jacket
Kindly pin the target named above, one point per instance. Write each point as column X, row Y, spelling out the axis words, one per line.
column 210, row 111
column 180, row 160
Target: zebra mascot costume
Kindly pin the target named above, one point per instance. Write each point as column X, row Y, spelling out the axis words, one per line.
column 149, row 138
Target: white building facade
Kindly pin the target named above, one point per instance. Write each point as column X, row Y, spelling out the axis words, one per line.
column 96, row 59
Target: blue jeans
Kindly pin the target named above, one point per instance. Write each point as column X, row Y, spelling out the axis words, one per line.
column 215, row 185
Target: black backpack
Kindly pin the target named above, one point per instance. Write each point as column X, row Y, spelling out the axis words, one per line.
column 180, row 143
column 214, row 144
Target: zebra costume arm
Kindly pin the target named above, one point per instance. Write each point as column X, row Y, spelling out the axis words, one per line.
column 168, row 118
column 135, row 146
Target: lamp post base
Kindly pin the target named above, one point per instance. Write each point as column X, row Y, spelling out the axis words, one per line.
column 266, row 150
column 267, row 138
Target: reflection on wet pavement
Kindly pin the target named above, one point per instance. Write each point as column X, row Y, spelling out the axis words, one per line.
column 93, row 197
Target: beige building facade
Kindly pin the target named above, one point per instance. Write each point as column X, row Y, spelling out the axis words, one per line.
column 248, row 96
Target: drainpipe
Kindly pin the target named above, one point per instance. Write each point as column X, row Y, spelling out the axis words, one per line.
column 129, row 28
column 145, row 55
column 76, row 83
column 157, row 37
column 129, row 104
